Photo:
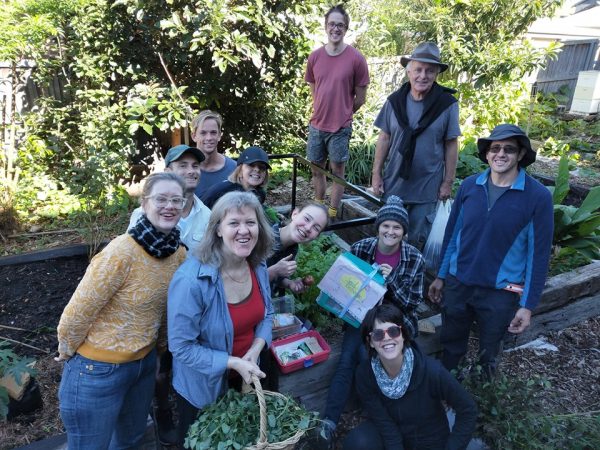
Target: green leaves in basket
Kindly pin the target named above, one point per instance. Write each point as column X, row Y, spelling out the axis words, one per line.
column 232, row 423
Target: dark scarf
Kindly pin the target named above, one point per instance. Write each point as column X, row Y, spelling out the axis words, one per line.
column 155, row 243
column 436, row 102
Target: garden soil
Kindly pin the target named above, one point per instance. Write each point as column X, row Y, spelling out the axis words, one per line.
column 34, row 295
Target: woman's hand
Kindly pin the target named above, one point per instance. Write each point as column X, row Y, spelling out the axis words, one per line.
column 61, row 358
column 285, row 267
column 385, row 270
column 254, row 352
column 245, row 368
column 296, row 286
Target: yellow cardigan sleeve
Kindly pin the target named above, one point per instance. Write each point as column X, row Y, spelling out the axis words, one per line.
column 103, row 278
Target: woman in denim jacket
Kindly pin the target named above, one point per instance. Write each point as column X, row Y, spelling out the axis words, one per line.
column 219, row 307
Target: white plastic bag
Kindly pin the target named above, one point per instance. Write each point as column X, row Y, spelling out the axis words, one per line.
column 433, row 246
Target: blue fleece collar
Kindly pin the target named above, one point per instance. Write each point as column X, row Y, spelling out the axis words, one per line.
column 518, row 184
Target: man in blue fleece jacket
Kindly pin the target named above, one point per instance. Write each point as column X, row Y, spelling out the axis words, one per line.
column 496, row 250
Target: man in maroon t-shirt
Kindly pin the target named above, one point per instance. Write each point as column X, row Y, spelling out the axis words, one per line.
column 338, row 76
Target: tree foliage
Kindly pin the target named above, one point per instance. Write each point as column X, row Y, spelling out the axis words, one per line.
column 243, row 58
column 482, row 40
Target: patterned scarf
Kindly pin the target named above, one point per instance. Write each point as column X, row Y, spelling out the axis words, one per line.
column 394, row 388
column 155, row 243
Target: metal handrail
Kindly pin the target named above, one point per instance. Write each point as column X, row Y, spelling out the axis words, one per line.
column 351, row 187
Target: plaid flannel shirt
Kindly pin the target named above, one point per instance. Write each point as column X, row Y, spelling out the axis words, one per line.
column 405, row 282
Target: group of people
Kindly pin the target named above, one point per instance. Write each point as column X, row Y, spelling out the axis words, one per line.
column 183, row 298
column 494, row 255
column 113, row 333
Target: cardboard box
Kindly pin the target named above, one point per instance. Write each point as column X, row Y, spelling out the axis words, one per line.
column 351, row 288
column 300, row 351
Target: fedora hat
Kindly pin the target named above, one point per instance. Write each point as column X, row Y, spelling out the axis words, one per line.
column 426, row 52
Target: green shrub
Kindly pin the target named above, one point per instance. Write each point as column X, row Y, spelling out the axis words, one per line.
column 575, row 229
column 468, row 160
column 511, row 416
column 14, row 365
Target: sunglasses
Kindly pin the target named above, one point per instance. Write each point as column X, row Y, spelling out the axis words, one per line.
column 508, row 149
column 379, row 335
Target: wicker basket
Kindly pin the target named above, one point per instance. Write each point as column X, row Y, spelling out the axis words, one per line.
column 262, row 443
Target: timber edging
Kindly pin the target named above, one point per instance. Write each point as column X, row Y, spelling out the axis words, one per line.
column 567, row 287
column 52, row 253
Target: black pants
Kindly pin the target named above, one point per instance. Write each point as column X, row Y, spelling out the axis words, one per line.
column 187, row 415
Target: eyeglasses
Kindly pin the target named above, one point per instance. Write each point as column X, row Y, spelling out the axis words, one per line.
column 508, row 149
column 379, row 335
column 340, row 26
column 162, row 202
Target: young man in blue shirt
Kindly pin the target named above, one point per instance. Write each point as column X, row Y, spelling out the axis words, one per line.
column 496, row 250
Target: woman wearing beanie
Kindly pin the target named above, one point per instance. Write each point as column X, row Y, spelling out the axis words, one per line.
column 402, row 266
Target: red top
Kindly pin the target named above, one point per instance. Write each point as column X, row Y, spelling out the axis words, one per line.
column 393, row 260
column 245, row 315
column 335, row 79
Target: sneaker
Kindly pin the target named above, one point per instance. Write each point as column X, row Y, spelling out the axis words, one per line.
column 165, row 428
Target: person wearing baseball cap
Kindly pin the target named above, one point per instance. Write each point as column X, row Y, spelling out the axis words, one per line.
column 402, row 266
column 417, row 148
column 184, row 161
column 251, row 174
column 496, row 250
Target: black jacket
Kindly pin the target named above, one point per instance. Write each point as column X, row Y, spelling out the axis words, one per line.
column 417, row 420
column 216, row 191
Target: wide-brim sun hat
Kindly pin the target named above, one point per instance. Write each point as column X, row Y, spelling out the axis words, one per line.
column 253, row 154
column 427, row 52
column 507, row 131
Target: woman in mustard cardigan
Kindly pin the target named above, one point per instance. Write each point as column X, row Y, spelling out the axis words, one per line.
column 109, row 330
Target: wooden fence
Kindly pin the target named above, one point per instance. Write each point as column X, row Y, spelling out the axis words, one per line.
column 574, row 57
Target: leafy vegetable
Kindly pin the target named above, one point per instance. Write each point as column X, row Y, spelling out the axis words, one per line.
column 314, row 260
column 233, row 422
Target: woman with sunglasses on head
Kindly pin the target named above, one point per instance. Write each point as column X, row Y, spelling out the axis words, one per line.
column 402, row 392
column 250, row 175
column 109, row 330
column 402, row 266
column 219, row 307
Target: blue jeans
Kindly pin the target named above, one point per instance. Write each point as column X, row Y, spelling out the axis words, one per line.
column 353, row 352
column 105, row 405
column 365, row 436
column 492, row 309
